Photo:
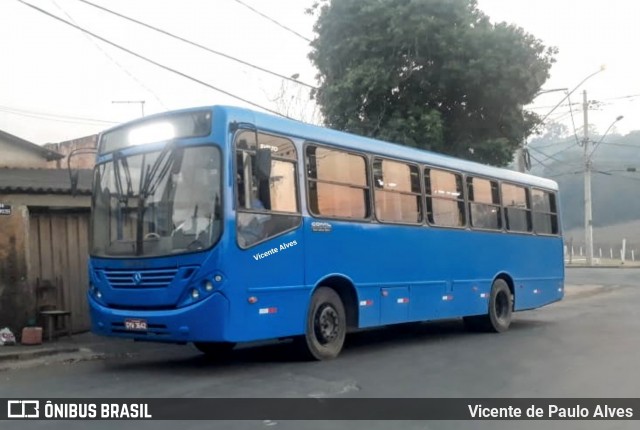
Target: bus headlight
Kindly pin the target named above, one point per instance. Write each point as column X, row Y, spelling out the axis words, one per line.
column 195, row 294
column 208, row 286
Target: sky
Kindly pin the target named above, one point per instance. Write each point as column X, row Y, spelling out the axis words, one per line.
column 57, row 83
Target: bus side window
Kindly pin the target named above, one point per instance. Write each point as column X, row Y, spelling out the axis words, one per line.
column 545, row 212
column 266, row 196
column 484, row 203
column 445, row 198
column 397, row 192
column 338, row 183
column 517, row 208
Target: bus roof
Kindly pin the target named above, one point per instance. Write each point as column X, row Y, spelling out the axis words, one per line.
column 354, row 142
column 297, row 129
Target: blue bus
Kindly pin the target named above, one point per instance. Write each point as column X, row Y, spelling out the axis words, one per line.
column 221, row 225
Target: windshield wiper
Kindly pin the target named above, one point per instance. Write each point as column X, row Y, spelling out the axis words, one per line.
column 151, row 177
column 123, row 199
column 120, row 160
column 150, row 180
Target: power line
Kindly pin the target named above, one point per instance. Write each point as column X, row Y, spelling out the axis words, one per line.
column 113, row 60
column 536, row 159
column 273, row 21
column 626, row 145
column 53, row 117
column 182, row 39
column 573, row 122
column 155, row 63
column 544, row 107
column 630, row 96
column 552, row 157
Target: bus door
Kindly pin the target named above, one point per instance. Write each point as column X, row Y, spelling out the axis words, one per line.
column 268, row 232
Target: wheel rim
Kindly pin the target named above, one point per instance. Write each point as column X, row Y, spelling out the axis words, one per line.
column 326, row 324
column 502, row 306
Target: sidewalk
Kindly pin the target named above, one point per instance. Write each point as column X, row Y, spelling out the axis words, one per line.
column 79, row 347
column 87, row 346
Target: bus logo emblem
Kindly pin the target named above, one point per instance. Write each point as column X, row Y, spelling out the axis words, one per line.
column 137, row 278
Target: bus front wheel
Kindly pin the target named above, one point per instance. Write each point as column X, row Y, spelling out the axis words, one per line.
column 326, row 326
column 498, row 319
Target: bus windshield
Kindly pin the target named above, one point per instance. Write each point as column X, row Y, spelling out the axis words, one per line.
column 157, row 203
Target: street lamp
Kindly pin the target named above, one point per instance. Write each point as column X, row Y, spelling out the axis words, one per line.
column 520, row 154
column 521, row 151
column 601, row 69
column 588, row 215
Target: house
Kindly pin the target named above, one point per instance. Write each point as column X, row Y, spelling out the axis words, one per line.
column 44, row 233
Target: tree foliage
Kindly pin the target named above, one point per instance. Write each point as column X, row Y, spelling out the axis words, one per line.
column 433, row 74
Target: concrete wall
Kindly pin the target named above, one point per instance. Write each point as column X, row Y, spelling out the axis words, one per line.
column 79, row 161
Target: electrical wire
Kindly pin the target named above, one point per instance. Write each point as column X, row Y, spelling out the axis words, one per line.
column 536, row 159
column 273, row 21
column 155, row 63
column 54, row 117
column 197, row 45
column 573, row 122
column 113, row 60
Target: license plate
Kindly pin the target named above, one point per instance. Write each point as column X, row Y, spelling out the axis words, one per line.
column 135, row 324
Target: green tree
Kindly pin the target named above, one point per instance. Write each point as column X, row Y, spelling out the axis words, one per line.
column 433, row 74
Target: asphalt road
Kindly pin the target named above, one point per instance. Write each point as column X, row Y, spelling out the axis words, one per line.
column 586, row 346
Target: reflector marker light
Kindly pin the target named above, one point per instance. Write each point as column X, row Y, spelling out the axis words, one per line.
column 366, row 302
column 447, row 298
column 265, row 311
column 536, row 291
column 402, row 300
column 484, row 295
column 252, row 300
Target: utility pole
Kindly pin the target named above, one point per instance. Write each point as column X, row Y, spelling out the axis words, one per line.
column 588, row 224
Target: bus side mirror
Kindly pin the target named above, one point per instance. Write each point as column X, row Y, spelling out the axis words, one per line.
column 263, row 164
column 74, row 173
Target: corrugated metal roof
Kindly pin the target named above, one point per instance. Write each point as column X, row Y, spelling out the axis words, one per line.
column 42, row 181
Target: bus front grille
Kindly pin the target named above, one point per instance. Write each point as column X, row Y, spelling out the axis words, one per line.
column 147, row 278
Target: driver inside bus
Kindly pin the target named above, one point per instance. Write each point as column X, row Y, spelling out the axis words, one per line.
column 252, row 226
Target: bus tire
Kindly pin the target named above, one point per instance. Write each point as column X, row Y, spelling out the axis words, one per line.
column 217, row 350
column 326, row 326
column 500, row 312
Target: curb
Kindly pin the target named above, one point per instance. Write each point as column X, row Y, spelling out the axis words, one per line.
column 575, row 266
column 29, row 355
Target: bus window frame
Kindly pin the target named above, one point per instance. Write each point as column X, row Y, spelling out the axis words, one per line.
column 368, row 175
column 465, row 200
column 504, row 208
column 556, row 213
column 499, row 204
column 422, row 208
column 237, row 210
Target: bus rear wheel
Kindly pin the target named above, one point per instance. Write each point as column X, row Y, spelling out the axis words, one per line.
column 326, row 326
column 498, row 318
column 217, row 350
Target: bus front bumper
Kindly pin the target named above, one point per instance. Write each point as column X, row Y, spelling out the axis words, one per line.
column 205, row 321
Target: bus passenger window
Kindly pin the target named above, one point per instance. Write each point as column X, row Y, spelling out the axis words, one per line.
column 338, row 185
column 484, row 203
column 517, row 208
column 545, row 212
column 397, row 192
column 266, row 187
column 445, row 198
